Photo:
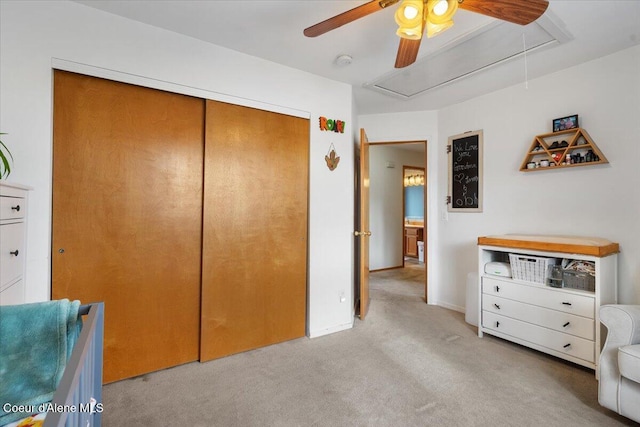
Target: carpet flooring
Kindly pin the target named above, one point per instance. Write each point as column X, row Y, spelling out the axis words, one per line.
column 407, row 364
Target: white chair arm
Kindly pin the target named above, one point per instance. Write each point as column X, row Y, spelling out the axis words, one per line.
column 623, row 328
column 623, row 324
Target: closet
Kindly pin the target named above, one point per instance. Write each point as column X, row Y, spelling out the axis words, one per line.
column 157, row 202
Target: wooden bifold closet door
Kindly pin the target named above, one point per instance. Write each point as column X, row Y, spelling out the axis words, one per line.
column 254, row 265
column 127, row 216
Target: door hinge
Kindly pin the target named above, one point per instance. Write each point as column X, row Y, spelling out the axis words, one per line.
column 448, row 200
column 448, row 148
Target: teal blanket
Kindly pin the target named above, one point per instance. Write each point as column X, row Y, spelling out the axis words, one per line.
column 36, row 340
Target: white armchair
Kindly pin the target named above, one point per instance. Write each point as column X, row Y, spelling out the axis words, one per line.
column 619, row 367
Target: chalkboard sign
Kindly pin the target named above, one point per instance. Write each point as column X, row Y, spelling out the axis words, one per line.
column 465, row 172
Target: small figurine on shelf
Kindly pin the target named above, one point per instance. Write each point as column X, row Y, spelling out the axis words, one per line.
column 591, row 156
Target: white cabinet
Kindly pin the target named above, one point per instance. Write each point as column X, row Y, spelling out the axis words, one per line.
column 562, row 322
column 13, row 228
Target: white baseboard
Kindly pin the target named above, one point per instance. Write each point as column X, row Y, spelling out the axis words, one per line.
column 451, row 306
column 333, row 329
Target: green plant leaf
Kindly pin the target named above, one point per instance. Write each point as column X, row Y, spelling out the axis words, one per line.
column 5, row 168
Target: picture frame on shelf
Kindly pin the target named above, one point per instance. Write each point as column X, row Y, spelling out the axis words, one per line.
column 565, row 123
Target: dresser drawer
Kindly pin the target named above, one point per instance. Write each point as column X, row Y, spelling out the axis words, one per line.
column 11, row 263
column 12, row 207
column 558, row 341
column 555, row 299
column 579, row 326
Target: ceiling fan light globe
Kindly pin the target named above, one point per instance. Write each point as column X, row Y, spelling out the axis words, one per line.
column 409, row 19
column 440, row 8
column 410, row 12
column 436, row 29
column 434, row 8
column 410, row 33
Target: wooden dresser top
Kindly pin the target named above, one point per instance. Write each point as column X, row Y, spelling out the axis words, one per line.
column 595, row 246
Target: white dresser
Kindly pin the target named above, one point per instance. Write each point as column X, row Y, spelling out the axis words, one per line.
column 13, row 232
column 563, row 322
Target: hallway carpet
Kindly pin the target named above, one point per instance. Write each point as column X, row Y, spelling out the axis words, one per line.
column 407, row 364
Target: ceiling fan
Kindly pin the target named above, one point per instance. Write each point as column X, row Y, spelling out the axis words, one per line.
column 414, row 16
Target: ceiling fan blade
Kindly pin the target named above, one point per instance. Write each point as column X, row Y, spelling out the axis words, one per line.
column 348, row 16
column 407, row 52
column 521, row 12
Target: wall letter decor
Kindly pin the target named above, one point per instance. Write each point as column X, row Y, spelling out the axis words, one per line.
column 331, row 125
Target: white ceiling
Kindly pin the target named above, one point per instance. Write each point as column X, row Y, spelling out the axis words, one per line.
column 273, row 30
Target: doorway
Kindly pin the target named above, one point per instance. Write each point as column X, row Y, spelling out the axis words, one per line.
column 394, row 248
column 413, row 213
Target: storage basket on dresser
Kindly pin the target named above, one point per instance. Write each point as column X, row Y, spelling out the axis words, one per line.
column 530, row 268
column 579, row 280
column 562, row 322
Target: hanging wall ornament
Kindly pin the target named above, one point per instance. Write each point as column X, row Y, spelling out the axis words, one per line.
column 331, row 158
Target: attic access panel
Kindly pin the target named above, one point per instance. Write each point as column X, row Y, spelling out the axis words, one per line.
column 493, row 44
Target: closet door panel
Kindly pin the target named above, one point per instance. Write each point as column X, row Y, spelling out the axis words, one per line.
column 127, row 216
column 254, row 283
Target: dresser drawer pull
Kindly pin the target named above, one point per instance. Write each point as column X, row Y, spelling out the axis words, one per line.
column 15, row 208
column 497, row 288
column 497, row 324
column 497, row 306
column 566, row 324
column 567, row 345
column 14, row 253
column 566, row 303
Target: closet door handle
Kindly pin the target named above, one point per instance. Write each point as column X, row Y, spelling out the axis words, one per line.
column 497, row 306
column 15, row 208
column 566, row 324
column 14, row 253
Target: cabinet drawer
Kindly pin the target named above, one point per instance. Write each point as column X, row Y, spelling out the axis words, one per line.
column 558, row 341
column 12, row 207
column 411, row 231
column 13, row 295
column 542, row 296
column 11, row 263
column 557, row 320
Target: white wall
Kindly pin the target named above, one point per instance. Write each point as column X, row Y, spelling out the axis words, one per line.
column 599, row 201
column 35, row 35
column 414, row 126
column 385, row 207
